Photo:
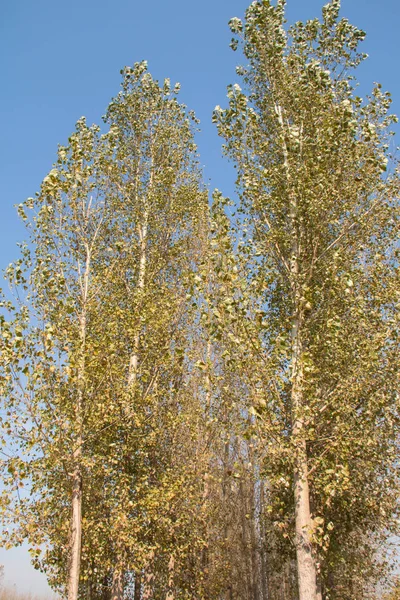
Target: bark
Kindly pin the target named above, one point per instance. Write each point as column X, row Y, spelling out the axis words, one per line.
column 226, row 459
column 306, row 567
column 206, row 491
column 134, row 359
column 246, row 543
column 263, row 553
column 254, row 536
column 76, row 536
column 306, row 564
column 138, row 586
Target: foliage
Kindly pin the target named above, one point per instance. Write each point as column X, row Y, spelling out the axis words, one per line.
column 203, row 402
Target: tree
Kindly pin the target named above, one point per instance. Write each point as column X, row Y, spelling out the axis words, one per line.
column 318, row 229
column 50, row 357
column 94, row 357
column 157, row 182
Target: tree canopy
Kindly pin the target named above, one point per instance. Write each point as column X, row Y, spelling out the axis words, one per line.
column 201, row 399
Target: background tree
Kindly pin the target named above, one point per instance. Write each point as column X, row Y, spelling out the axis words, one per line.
column 156, row 179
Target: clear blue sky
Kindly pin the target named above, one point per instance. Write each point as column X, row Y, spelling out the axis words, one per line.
column 61, row 60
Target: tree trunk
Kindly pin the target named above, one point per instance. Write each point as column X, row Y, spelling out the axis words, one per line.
column 76, row 508
column 76, row 536
column 138, row 586
column 246, row 544
column 263, row 553
column 134, row 359
column 254, row 535
column 118, row 579
column 305, row 560
column 226, row 463
column 306, row 565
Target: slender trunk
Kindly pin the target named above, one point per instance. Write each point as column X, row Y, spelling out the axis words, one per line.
column 76, row 504
column 306, row 564
column 263, row 553
column 76, row 535
column 254, row 557
column 246, row 543
column 138, row 586
column 254, row 535
column 134, row 359
column 226, row 459
column 206, row 490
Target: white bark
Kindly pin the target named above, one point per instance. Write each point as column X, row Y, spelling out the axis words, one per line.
column 76, row 536
column 306, row 567
column 134, row 359
column 76, row 504
column 306, row 564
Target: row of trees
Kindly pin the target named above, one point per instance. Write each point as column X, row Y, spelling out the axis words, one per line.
column 203, row 402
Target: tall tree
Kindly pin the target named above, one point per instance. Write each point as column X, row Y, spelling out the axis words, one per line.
column 95, row 362
column 160, row 209
column 50, row 359
column 319, row 229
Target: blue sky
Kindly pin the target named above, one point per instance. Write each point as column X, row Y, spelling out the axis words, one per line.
column 61, row 60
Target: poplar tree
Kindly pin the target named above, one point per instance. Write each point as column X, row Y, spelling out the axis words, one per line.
column 156, row 181
column 94, row 354
column 50, row 358
column 318, row 228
